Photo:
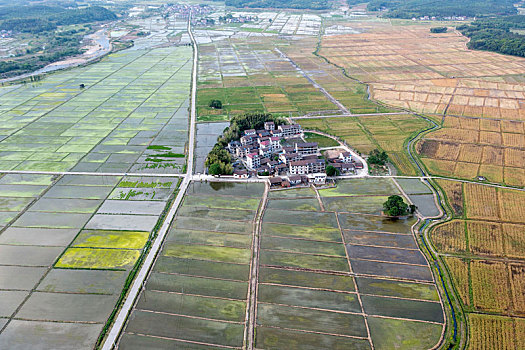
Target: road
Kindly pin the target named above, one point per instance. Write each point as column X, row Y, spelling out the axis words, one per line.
column 140, row 279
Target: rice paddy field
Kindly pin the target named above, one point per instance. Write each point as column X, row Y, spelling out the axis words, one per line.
column 196, row 294
column 130, row 116
column 366, row 133
column 483, row 248
column 335, row 274
column 407, row 66
column 352, row 94
column 251, row 76
column 68, row 243
column 471, row 147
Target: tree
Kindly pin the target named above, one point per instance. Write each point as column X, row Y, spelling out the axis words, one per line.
column 217, row 104
column 214, row 169
column 377, row 157
column 395, row 206
column 331, row 171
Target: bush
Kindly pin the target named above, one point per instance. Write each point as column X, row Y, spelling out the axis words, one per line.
column 438, row 30
column 331, row 171
column 217, row 104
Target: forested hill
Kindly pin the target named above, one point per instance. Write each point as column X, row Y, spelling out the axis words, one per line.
column 291, row 4
column 38, row 18
column 497, row 34
column 443, row 8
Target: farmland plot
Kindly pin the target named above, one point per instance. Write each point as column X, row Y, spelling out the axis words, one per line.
column 467, row 148
column 131, row 116
column 407, row 66
column 66, row 250
column 366, row 133
column 250, row 76
column 488, row 227
column 196, row 293
column 325, row 277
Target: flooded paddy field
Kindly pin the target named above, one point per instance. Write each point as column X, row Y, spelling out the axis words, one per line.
column 131, row 115
column 343, row 276
column 67, row 245
column 196, row 294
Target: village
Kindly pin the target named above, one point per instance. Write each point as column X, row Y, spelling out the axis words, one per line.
column 283, row 154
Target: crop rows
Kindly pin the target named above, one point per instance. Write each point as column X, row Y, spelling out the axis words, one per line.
column 467, row 148
column 386, row 132
column 487, row 225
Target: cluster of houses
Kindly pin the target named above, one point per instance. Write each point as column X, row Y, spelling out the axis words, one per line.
column 184, row 10
column 281, row 152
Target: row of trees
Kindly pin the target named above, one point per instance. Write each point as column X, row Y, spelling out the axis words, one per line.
column 495, row 34
column 219, row 159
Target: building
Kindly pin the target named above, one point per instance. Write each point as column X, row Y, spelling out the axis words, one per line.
column 253, row 160
column 307, row 166
column 249, row 132
column 286, row 158
column 345, row 157
column 306, row 148
column 276, row 181
column 317, row 178
column 294, row 179
column 240, row 174
column 299, row 167
column 269, row 126
column 248, row 140
column 290, row 130
column 276, row 142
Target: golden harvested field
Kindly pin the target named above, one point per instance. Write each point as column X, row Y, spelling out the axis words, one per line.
column 490, row 286
column 459, row 272
column 365, row 133
column 489, row 332
column 407, row 66
column 450, row 236
column 467, row 148
column 488, row 228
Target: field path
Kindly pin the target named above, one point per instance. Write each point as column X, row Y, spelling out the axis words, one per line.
column 251, row 309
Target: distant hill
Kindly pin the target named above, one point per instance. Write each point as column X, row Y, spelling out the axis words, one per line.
column 443, row 8
column 38, row 18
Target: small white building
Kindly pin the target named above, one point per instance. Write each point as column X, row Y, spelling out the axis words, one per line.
column 345, row 157
column 317, row 178
column 253, row 160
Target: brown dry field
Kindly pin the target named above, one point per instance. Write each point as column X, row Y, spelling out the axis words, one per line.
column 484, row 250
column 407, row 66
column 467, row 148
